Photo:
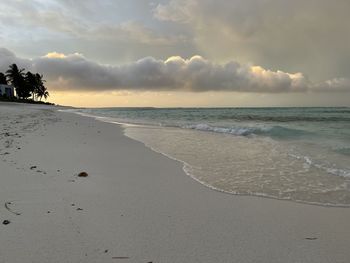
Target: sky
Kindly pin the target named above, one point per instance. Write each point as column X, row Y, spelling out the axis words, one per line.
column 182, row 53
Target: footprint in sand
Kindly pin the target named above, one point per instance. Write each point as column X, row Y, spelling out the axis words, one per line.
column 8, row 206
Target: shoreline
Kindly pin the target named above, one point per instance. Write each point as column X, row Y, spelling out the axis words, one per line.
column 186, row 166
column 138, row 203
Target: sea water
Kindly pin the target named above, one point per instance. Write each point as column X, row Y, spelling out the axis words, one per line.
column 297, row 154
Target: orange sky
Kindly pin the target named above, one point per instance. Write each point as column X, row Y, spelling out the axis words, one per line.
column 188, row 99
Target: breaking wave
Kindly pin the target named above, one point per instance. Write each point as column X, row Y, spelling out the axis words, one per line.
column 273, row 131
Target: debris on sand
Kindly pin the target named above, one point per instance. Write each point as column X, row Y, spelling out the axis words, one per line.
column 83, row 174
column 6, row 222
column 7, row 206
column 311, row 238
column 33, row 167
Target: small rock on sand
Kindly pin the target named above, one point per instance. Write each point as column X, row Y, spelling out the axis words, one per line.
column 83, row 174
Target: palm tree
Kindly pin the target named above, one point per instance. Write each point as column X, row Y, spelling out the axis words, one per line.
column 3, row 79
column 26, row 84
column 16, row 78
column 31, row 83
column 43, row 93
column 41, row 90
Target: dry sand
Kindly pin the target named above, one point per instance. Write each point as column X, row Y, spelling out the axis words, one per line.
column 137, row 205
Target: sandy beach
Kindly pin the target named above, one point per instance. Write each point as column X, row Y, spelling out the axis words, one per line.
column 137, row 205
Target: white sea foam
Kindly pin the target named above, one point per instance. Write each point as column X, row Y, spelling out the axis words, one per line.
column 235, row 131
column 323, row 166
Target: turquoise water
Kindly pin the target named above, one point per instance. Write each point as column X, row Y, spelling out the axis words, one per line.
column 298, row 154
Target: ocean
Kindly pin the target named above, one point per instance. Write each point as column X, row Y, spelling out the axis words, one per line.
column 296, row 154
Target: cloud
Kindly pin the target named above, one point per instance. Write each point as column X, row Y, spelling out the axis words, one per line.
column 311, row 36
column 132, row 31
column 55, row 55
column 7, row 58
column 76, row 20
column 75, row 72
column 335, row 84
column 175, row 11
column 107, row 30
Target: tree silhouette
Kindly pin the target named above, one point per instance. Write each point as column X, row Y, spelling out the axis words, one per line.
column 31, row 83
column 16, row 78
column 3, row 79
column 26, row 84
column 35, row 85
column 41, row 91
